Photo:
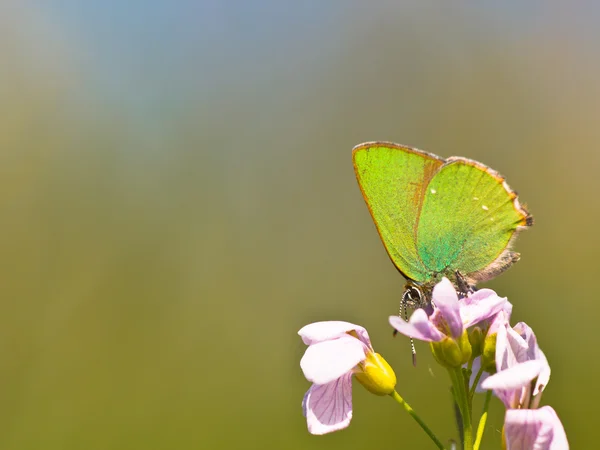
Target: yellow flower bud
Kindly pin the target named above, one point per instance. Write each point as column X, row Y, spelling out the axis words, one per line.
column 376, row 375
column 452, row 353
column 488, row 356
column 465, row 347
column 476, row 339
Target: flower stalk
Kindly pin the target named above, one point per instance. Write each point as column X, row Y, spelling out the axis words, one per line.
column 475, row 383
column 461, row 394
column 414, row 415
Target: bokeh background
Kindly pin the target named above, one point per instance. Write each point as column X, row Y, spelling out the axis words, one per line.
column 177, row 200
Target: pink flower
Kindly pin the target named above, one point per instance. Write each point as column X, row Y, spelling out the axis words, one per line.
column 523, row 373
column 450, row 316
column 538, row 429
column 516, row 352
column 336, row 351
column 513, row 385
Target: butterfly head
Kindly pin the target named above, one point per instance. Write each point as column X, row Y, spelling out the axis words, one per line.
column 415, row 295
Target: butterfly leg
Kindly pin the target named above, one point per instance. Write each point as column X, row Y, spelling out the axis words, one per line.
column 464, row 288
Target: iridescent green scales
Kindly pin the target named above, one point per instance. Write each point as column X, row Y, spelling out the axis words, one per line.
column 455, row 217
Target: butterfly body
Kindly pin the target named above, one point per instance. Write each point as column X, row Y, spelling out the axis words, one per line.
column 436, row 217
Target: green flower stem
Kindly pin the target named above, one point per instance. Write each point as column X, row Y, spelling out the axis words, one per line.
column 414, row 415
column 475, row 383
column 470, row 365
column 462, row 398
column 481, row 426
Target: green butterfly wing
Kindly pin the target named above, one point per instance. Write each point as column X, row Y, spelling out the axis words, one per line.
column 468, row 220
column 393, row 180
column 437, row 216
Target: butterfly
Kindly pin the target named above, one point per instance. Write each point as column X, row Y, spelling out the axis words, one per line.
column 453, row 218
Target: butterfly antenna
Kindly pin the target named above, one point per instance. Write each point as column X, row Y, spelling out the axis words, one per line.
column 404, row 314
column 412, row 342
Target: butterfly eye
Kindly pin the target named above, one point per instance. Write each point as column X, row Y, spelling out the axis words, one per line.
column 412, row 297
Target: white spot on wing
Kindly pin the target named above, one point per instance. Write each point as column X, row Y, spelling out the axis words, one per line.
column 475, row 198
column 433, row 191
column 485, row 208
column 492, row 219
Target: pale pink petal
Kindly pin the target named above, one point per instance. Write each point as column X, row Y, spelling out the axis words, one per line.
column 518, row 346
column 482, row 305
column 511, row 348
column 324, row 331
column 502, row 348
column 515, row 377
column 326, row 361
column 445, row 299
column 328, row 407
column 534, row 352
column 418, row 327
column 511, row 385
column 304, row 400
column 504, row 359
column 501, row 319
column 538, row 429
column 363, row 335
column 477, row 296
column 544, row 377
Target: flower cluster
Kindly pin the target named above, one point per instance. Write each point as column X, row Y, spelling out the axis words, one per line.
column 521, row 371
column 471, row 337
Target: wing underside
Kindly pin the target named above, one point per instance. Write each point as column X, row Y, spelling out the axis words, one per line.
column 394, row 180
column 468, row 221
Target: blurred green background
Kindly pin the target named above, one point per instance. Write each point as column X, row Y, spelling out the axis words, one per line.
column 177, row 200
